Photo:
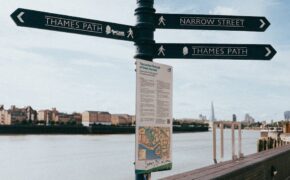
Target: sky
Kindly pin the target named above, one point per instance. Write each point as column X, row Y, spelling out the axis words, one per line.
column 73, row 72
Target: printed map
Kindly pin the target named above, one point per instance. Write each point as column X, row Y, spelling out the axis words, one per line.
column 154, row 143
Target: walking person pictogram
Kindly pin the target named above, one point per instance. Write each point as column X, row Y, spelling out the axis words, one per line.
column 162, row 21
column 130, row 33
column 161, row 51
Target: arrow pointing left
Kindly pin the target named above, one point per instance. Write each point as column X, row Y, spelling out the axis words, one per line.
column 20, row 17
column 69, row 24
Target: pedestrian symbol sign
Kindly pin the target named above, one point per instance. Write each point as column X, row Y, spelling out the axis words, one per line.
column 161, row 51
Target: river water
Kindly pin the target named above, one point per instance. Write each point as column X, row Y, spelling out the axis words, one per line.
column 101, row 157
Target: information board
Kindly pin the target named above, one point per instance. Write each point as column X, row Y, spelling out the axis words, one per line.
column 153, row 117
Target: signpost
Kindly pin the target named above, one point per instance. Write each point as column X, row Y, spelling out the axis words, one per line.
column 153, row 117
column 211, row 22
column 69, row 24
column 154, row 81
column 214, row 51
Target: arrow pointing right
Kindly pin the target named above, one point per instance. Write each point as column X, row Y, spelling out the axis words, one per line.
column 268, row 52
column 263, row 23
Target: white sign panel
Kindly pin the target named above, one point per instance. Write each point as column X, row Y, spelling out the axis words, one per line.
column 153, row 117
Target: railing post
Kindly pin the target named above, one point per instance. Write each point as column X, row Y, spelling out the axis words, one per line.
column 240, row 141
column 214, row 142
column 222, row 141
column 233, row 142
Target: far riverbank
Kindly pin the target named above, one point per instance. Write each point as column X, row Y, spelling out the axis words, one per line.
column 78, row 130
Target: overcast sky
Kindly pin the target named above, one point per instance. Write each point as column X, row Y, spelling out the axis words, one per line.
column 72, row 72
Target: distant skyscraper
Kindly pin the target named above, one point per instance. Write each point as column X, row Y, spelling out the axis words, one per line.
column 212, row 112
column 249, row 119
column 234, row 118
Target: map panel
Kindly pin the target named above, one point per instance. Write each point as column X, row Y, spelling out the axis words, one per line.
column 154, row 143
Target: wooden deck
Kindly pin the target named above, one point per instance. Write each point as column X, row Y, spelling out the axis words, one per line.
column 256, row 166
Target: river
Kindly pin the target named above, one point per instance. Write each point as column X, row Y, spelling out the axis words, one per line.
column 101, row 157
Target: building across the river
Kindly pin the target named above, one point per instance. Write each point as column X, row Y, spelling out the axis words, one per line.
column 55, row 117
column 16, row 115
column 96, row 117
column 122, row 119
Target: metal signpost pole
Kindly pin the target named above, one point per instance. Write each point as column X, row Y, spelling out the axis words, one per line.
column 144, row 41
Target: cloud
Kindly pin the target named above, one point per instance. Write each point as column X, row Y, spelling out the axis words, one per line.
column 221, row 10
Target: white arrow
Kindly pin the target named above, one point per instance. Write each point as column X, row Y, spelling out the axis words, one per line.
column 268, row 52
column 263, row 23
column 20, row 17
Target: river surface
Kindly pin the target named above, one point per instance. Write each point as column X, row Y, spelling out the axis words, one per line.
column 101, row 157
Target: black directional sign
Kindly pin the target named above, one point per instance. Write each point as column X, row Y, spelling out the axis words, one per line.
column 215, row 51
column 211, row 22
column 56, row 22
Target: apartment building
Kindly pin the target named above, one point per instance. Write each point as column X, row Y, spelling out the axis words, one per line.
column 96, row 117
column 121, row 119
column 16, row 115
column 53, row 116
column 4, row 116
column 47, row 116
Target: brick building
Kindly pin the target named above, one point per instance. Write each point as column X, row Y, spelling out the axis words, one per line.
column 55, row 117
column 96, row 117
column 16, row 115
column 121, row 119
column 47, row 116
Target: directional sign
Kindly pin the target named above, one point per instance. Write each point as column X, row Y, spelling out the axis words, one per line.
column 56, row 22
column 211, row 22
column 215, row 51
